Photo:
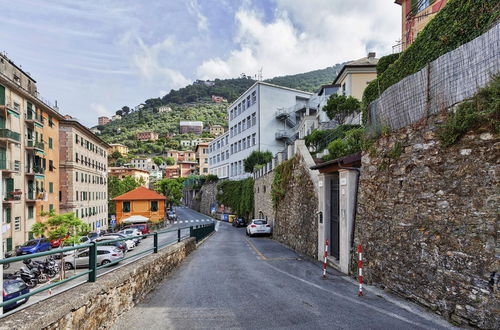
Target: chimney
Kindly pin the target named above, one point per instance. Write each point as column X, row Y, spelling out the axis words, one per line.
column 371, row 55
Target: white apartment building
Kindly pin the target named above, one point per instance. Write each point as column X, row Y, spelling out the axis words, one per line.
column 146, row 164
column 254, row 123
column 218, row 156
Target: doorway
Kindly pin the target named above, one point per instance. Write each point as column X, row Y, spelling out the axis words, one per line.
column 334, row 216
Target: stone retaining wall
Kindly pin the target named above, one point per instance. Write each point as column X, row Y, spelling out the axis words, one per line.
column 97, row 305
column 263, row 205
column 428, row 221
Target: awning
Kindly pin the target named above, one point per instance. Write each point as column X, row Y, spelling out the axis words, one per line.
column 15, row 114
column 135, row 219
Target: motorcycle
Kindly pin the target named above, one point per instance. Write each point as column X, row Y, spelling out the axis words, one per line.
column 24, row 275
column 6, row 256
column 36, row 269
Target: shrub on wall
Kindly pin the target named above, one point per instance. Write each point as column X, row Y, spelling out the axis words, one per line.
column 339, row 107
column 237, row 195
column 319, row 139
column 459, row 22
column 282, row 175
column 385, row 61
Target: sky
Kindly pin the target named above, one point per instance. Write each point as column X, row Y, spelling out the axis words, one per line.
column 96, row 56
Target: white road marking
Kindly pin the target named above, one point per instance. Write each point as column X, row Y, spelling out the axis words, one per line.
column 197, row 220
column 175, row 222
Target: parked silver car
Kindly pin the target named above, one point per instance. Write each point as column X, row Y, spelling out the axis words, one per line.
column 133, row 232
column 80, row 258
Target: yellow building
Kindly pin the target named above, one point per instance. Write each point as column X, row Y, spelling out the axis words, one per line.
column 415, row 16
column 355, row 76
column 122, row 172
column 29, row 155
column 122, row 149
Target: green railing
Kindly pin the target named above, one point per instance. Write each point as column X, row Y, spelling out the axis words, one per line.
column 7, row 133
column 11, row 166
column 35, row 144
column 195, row 231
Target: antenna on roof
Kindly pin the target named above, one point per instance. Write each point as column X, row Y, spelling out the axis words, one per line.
column 259, row 74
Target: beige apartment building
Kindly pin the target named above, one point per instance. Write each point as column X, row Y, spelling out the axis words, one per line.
column 122, row 149
column 147, row 136
column 202, row 157
column 136, row 173
column 83, row 174
column 28, row 155
column 216, row 130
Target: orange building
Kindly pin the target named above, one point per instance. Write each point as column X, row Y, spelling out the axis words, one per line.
column 140, row 201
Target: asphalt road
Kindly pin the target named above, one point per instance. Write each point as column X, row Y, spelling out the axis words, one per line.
column 235, row 282
column 185, row 219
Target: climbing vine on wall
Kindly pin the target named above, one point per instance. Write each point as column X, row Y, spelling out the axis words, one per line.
column 282, row 176
column 237, row 195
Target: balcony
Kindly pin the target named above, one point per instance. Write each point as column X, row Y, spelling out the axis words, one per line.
column 38, row 145
column 10, row 166
column 34, row 170
column 11, row 108
column 32, row 118
column 7, row 135
column 34, row 195
column 12, row 196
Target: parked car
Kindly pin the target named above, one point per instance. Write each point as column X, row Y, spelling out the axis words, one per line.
column 13, row 289
column 239, row 222
column 142, row 227
column 105, row 255
column 258, row 226
column 33, row 246
column 55, row 243
column 121, row 245
column 130, row 243
column 132, row 232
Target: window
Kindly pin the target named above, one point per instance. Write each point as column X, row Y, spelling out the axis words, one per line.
column 253, row 138
column 51, row 187
column 51, row 165
column 17, row 223
column 50, row 143
column 248, row 101
column 76, row 157
column 77, row 195
column 76, row 138
column 51, row 207
column 154, row 206
column 254, row 118
column 126, row 207
column 31, row 211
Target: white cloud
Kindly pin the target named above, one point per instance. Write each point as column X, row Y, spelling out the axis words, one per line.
column 306, row 35
column 100, row 109
column 195, row 9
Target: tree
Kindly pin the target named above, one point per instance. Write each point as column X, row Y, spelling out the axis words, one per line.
column 125, row 110
column 58, row 226
column 257, row 158
column 158, row 160
column 116, row 155
column 339, row 107
column 119, row 112
column 117, row 187
column 172, row 189
column 170, row 161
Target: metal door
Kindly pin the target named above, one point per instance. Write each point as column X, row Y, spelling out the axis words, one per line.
column 334, row 216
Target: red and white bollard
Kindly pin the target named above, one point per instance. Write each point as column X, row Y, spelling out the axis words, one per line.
column 326, row 255
column 360, row 270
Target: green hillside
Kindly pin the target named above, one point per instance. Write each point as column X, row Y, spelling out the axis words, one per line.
column 193, row 102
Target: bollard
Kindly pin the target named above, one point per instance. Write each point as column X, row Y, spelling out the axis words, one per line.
column 324, row 263
column 360, row 270
column 178, row 235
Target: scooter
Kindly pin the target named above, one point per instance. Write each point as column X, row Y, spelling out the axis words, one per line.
column 6, row 256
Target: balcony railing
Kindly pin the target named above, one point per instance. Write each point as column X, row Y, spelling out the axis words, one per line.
column 32, row 116
column 13, row 195
column 36, row 169
column 8, row 134
column 35, row 144
column 13, row 166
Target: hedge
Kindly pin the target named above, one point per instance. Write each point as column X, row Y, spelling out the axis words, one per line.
column 385, row 61
column 459, row 22
column 237, row 195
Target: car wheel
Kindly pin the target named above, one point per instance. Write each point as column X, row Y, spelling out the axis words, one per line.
column 105, row 262
column 68, row 266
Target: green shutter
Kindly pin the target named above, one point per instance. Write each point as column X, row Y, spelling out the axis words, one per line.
column 10, row 185
column 51, row 187
column 30, row 235
column 50, row 143
column 2, row 95
column 3, row 158
column 9, row 244
column 8, row 215
column 30, row 212
column 2, row 122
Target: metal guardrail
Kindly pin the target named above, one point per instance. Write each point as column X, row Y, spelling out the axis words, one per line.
column 199, row 232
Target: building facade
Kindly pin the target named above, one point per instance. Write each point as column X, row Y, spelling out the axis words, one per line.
column 103, row 120
column 415, row 16
column 201, row 152
column 164, row 108
column 254, row 123
column 147, row 136
column 122, row 149
column 140, row 201
column 218, row 156
column 116, row 117
column 28, row 155
column 122, row 172
column 191, row 127
column 83, row 174
column 216, row 130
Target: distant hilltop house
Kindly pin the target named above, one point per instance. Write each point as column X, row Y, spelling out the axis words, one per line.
column 136, row 173
column 191, row 127
column 116, row 117
column 164, row 108
column 185, row 164
column 216, row 130
column 218, row 99
column 103, row 120
column 204, row 82
column 147, row 136
column 122, row 149
column 95, row 131
column 194, row 142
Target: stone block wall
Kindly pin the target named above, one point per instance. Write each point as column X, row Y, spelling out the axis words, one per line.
column 207, row 197
column 428, row 221
column 263, row 205
column 295, row 223
column 97, row 305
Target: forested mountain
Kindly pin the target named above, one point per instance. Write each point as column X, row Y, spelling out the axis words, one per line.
column 194, row 102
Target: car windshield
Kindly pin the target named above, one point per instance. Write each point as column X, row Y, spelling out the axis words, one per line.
column 30, row 243
column 260, row 222
column 14, row 286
